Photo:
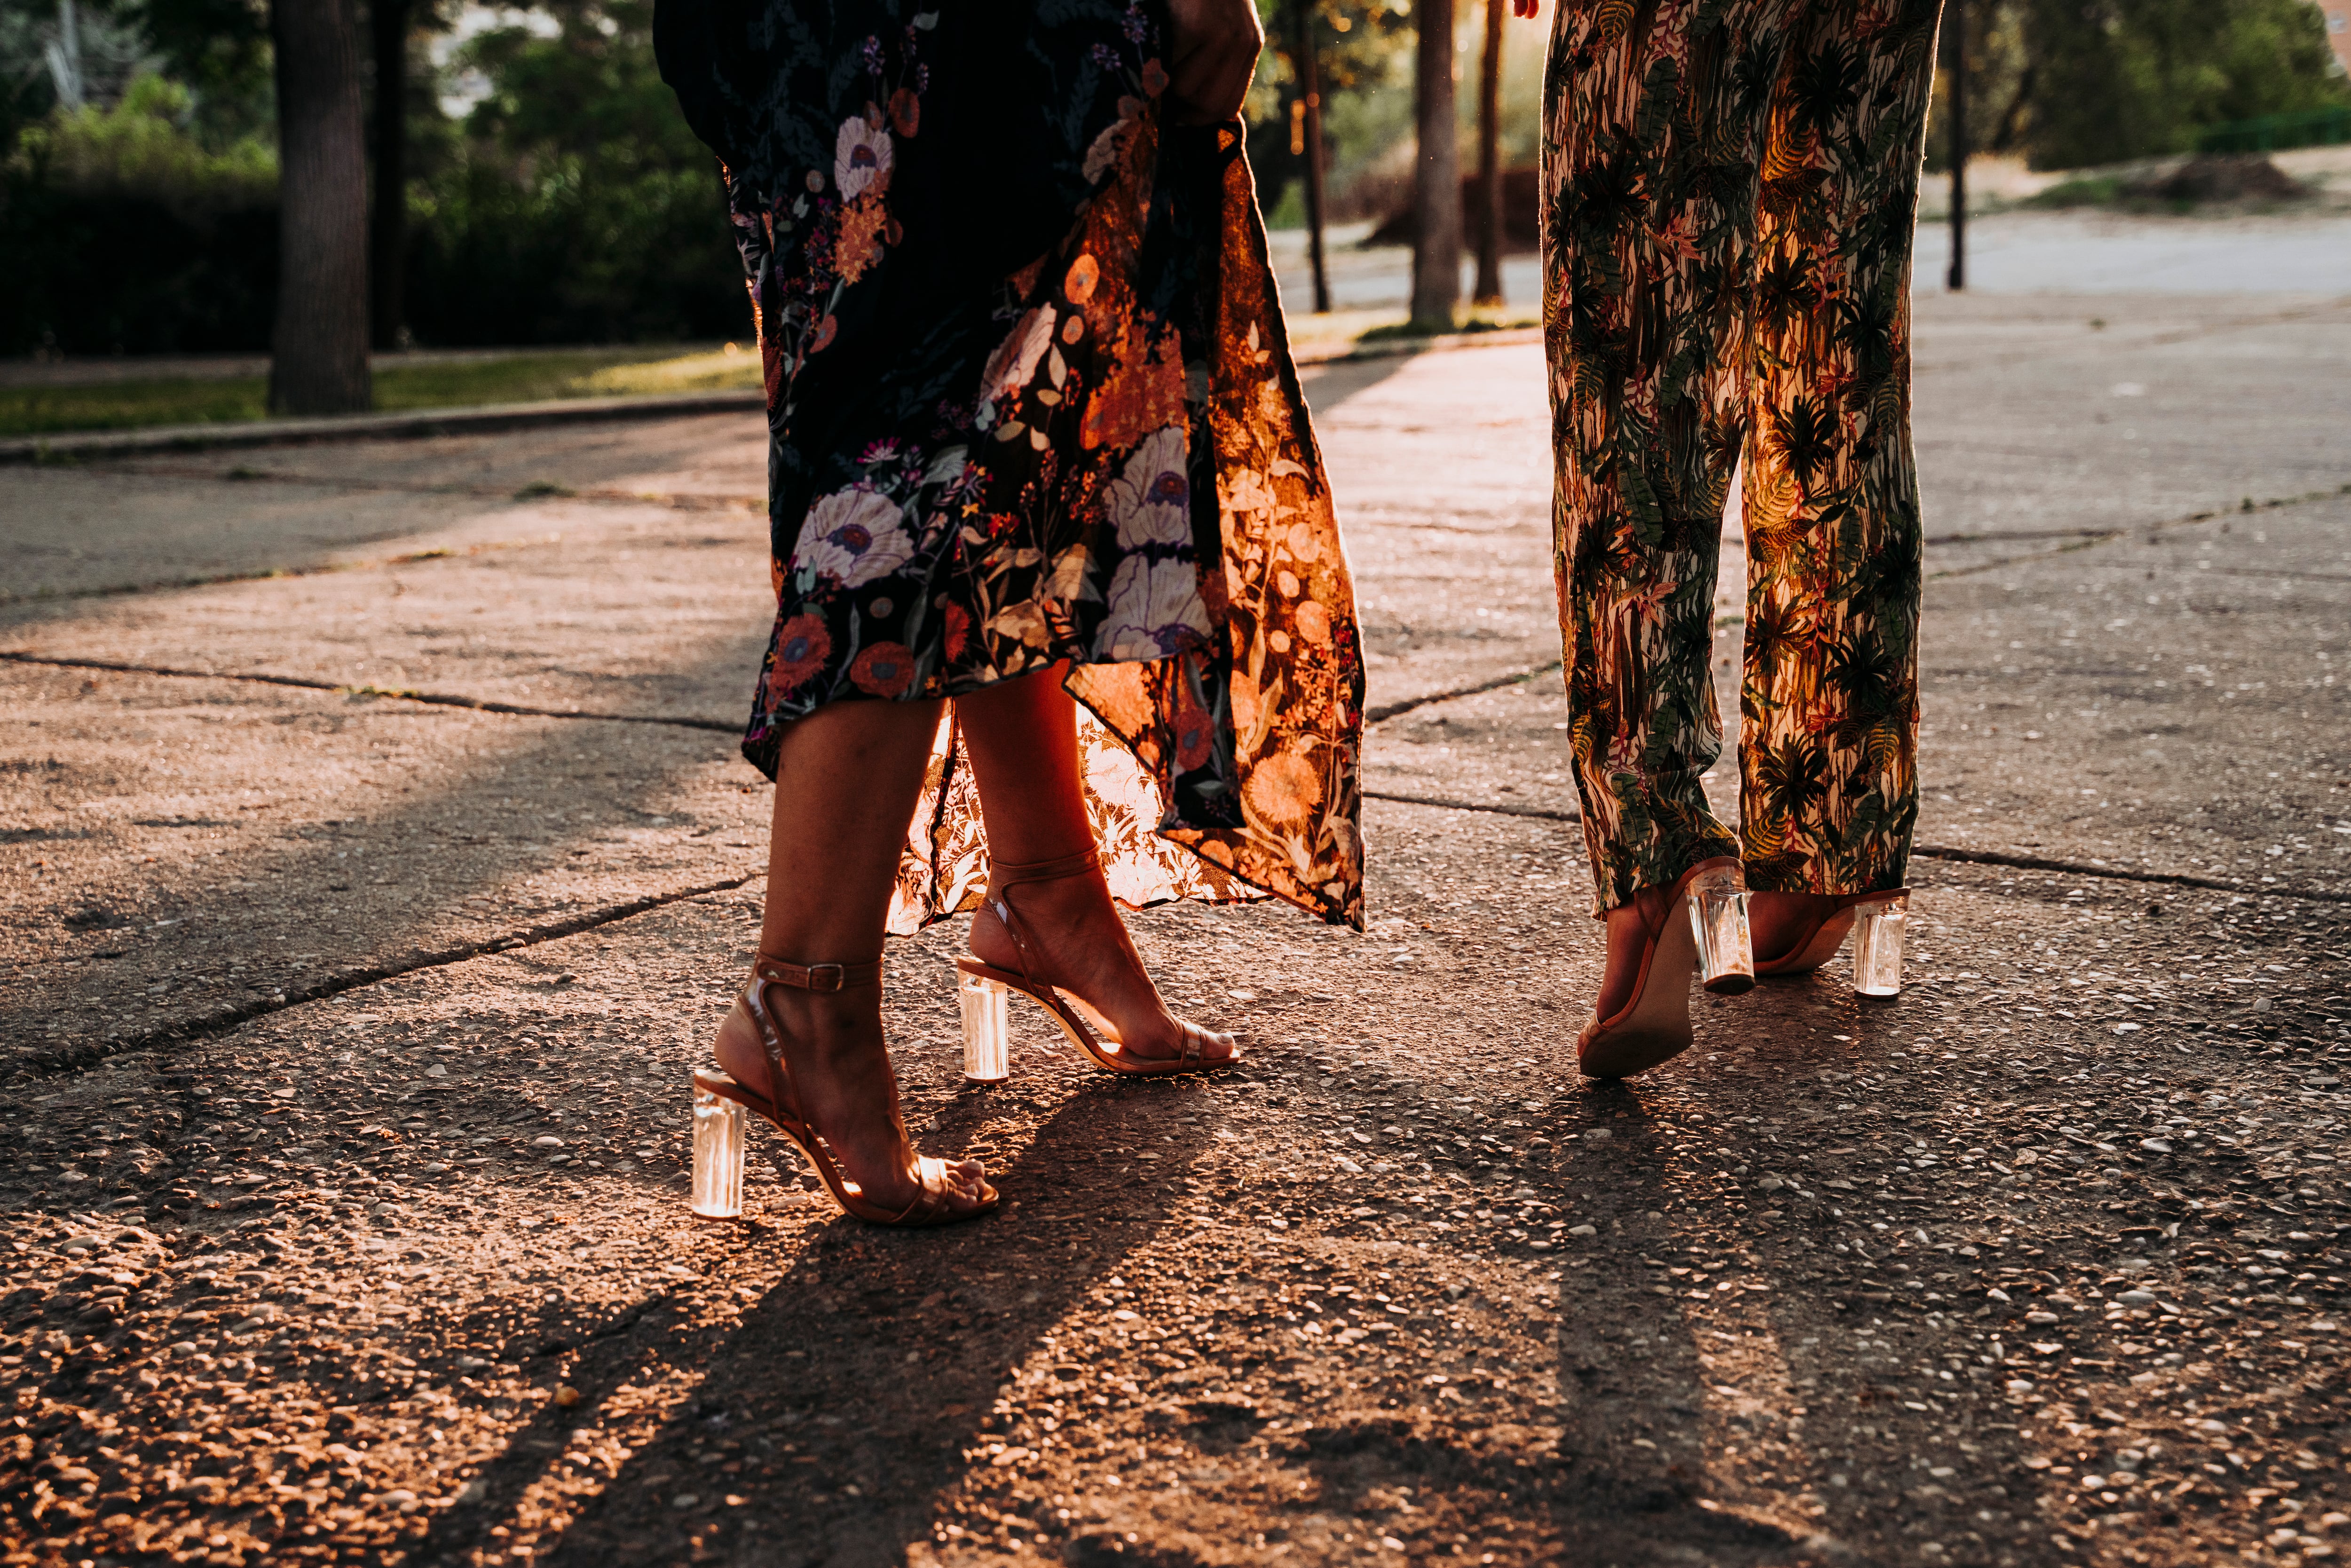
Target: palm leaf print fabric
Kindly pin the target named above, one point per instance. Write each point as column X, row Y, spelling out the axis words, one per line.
column 1030, row 403
column 1730, row 188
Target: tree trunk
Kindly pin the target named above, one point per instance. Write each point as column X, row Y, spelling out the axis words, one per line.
column 388, row 250
column 1436, row 179
column 1956, row 31
column 319, row 346
column 1310, row 102
column 1489, row 161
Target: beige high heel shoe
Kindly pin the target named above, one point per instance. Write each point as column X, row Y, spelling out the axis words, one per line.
column 720, row 1104
column 1876, row 920
column 1654, row 1026
column 985, row 987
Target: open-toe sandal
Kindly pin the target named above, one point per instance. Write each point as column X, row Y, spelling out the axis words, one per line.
column 985, row 989
column 722, row 1107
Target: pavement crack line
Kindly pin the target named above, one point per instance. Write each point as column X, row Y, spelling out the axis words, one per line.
column 221, row 1020
column 1542, row 812
column 1387, row 711
column 303, row 682
column 2090, row 539
column 536, row 491
column 1937, row 852
column 271, row 573
column 2124, row 343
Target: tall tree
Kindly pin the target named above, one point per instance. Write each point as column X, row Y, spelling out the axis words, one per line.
column 389, row 22
column 1490, row 162
column 1437, row 176
column 318, row 349
column 1306, row 140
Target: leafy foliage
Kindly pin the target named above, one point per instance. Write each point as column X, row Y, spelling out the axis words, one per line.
column 569, row 204
column 576, row 206
column 2076, row 83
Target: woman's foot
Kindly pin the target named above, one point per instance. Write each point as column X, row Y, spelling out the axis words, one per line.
column 845, row 1090
column 1780, row 923
column 1077, row 944
column 1630, row 928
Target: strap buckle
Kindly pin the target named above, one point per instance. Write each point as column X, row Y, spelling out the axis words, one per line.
column 827, row 977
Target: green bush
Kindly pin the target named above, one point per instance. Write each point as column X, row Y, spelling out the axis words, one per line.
column 121, row 233
column 572, row 206
column 2073, row 84
column 140, row 149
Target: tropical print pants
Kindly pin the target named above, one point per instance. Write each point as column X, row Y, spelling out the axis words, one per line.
column 1729, row 189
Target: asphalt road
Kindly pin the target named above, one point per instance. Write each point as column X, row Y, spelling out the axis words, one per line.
column 378, row 863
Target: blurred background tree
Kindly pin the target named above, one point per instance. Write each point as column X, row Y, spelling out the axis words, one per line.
column 2070, row 84
column 551, row 193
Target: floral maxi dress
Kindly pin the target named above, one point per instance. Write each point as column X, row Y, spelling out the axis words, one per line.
column 1030, row 401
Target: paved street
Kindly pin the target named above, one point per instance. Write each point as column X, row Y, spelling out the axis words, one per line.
column 379, row 862
column 2092, row 252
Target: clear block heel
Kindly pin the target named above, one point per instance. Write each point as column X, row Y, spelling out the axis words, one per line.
column 986, row 1046
column 1716, row 902
column 983, row 1009
column 1878, row 945
column 718, row 1131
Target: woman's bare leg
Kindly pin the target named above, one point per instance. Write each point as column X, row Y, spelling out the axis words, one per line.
column 846, row 785
column 1022, row 737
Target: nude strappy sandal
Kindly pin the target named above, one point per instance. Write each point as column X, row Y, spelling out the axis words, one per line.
column 720, row 1105
column 985, row 988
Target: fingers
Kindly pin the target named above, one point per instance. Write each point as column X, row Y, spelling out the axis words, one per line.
column 1529, row 9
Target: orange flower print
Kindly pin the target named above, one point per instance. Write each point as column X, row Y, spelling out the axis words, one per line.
column 1195, row 730
column 884, row 670
column 802, row 646
column 1282, row 790
column 1040, row 484
column 860, row 245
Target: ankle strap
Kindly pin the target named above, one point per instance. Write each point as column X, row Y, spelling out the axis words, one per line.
column 1009, row 873
column 815, row 976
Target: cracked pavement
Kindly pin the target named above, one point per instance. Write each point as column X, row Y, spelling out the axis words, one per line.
column 344, row 1044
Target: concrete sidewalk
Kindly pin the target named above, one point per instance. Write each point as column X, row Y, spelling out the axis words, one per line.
column 345, row 1039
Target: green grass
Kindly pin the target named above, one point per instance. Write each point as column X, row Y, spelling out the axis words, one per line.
column 463, row 383
column 1471, row 321
column 2091, row 191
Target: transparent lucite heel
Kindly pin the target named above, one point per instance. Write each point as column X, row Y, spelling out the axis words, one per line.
column 718, row 1128
column 1878, row 945
column 1718, row 912
column 987, row 1055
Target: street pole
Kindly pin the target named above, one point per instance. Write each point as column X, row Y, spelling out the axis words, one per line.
column 388, row 238
column 1436, row 177
column 1309, row 98
column 1959, row 279
column 1489, row 161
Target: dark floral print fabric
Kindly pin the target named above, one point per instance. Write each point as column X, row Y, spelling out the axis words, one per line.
column 1730, row 187
column 1030, row 403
